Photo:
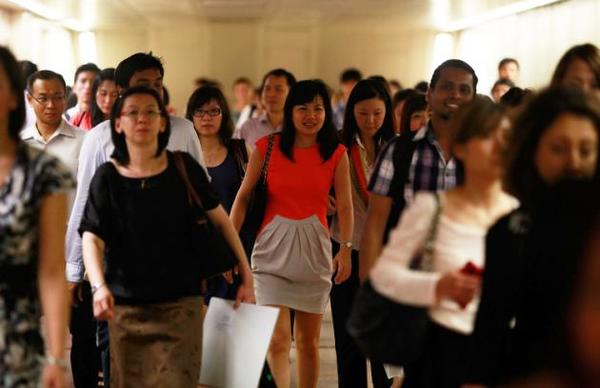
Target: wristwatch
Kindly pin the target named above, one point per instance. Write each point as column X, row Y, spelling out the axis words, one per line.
column 97, row 286
column 347, row 244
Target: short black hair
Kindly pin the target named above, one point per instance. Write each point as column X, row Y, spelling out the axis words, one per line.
column 134, row 63
column 206, row 94
column 86, row 67
column 506, row 61
column 242, row 80
column 107, row 74
column 45, row 75
column 350, row 75
column 456, row 64
column 16, row 117
column 289, row 77
column 27, row 68
column 365, row 90
column 302, row 93
column 515, row 97
column 503, row 81
column 121, row 154
column 422, row 87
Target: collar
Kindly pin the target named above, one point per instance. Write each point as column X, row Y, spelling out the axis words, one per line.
column 359, row 142
column 264, row 120
column 64, row 129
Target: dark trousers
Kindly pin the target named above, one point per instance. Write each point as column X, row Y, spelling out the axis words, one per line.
column 104, row 351
column 351, row 364
column 443, row 362
column 85, row 358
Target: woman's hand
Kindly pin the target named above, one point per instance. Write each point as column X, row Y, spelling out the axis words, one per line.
column 342, row 265
column 458, row 287
column 245, row 293
column 104, row 304
column 53, row 376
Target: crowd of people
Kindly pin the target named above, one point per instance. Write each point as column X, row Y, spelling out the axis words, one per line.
column 101, row 199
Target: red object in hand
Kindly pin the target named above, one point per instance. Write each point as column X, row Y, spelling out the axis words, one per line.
column 471, row 269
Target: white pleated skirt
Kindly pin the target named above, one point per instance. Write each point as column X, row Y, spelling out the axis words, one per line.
column 291, row 264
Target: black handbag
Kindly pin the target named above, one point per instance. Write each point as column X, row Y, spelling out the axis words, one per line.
column 257, row 205
column 386, row 331
column 215, row 256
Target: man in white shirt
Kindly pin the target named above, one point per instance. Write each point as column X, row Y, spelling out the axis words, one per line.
column 274, row 90
column 139, row 69
column 46, row 94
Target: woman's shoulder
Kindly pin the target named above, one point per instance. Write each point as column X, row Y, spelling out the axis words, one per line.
column 263, row 142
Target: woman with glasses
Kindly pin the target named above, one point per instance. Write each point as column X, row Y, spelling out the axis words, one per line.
column 137, row 221
column 226, row 160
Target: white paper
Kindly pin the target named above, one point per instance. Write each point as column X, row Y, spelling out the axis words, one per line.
column 235, row 343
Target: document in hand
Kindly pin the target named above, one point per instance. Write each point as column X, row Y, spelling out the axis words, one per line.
column 235, row 343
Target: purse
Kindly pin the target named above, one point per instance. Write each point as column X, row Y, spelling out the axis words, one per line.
column 215, row 254
column 258, row 201
column 386, row 331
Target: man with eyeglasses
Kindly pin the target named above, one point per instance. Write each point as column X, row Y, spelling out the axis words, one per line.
column 46, row 94
column 139, row 69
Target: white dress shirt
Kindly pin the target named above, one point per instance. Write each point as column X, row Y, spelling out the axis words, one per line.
column 96, row 150
column 64, row 143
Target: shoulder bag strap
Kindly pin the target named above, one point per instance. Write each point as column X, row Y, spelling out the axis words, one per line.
column 264, row 169
column 193, row 197
column 429, row 247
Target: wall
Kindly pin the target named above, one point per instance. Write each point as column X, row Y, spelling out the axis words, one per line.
column 227, row 50
column 537, row 39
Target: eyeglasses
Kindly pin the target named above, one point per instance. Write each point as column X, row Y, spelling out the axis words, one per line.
column 211, row 112
column 44, row 100
column 135, row 114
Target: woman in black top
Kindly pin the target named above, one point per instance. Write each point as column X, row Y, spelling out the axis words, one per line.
column 226, row 160
column 138, row 219
column 555, row 137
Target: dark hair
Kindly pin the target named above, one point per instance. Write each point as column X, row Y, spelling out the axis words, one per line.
column 515, row 96
column 383, row 81
column 506, row 61
column 350, row 75
column 456, row 64
column 522, row 178
column 107, row 74
column 588, row 53
column 395, row 83
column 414, row 103
column 27, row 68
column 242, row 80
column 302, row 93
column 121, row 154
column 422, row 87
column 134, row 63
column 289, row 77
column 16, row 117
column 45, row 75
column 402, row 95
column 365, row 90
column 86, row 67
column 503, row 81
column 204, row 95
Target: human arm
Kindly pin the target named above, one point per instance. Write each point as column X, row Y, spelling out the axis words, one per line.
column 219, row 218
column 93, row 254
column 342, row 264
column 91, row 156
column 51, row 282
column 372, row 238
column 240, row 204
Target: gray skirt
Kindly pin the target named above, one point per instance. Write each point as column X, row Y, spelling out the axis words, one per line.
column 291, row 264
